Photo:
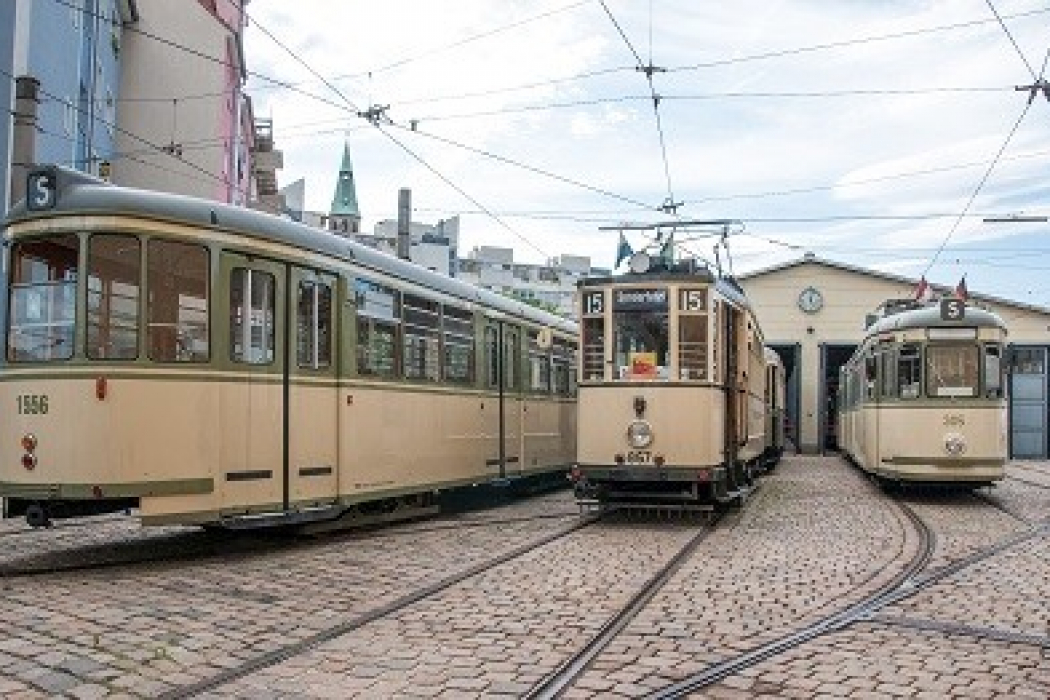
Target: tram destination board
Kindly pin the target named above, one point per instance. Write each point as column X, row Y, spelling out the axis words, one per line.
column 640, row 299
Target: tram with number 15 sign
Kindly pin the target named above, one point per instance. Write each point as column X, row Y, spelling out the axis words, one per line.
column 672, row 389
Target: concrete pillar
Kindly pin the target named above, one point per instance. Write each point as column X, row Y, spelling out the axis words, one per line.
column 23, row 151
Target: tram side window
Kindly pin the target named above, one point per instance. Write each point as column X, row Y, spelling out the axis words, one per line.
column 378, row 329
column 993, row 371
column 252, row 314
column 692, row 346
column 909, row 371
column 422, row 338
column 563, row 364
column 539, row 365
column 492, row 357
column 593, row 349
column 177, row 286
column 114, row 278
column 314, row 332
column 951, row 370
column 870, row 377
column 511, row 353
column 459, row 345
column 43, row 299
column 888, row 358
column 641, row 344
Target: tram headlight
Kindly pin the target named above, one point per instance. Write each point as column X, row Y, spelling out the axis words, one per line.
column 954, row 444
column 639, row 434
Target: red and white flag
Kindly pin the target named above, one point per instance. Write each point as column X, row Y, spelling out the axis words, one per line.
column 960, row 289
column 923, row 292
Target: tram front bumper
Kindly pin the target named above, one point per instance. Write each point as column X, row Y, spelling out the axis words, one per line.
column 972, row 469
column 612, row 472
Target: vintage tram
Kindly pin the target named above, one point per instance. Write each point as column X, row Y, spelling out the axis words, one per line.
column 209, row 364
column 923, row 396
column 775, row 398
column 671, row 388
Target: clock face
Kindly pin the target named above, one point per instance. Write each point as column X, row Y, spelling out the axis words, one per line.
column 810, row 300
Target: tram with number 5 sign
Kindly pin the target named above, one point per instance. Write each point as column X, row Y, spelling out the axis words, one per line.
column 206, row 364
column 924, row 395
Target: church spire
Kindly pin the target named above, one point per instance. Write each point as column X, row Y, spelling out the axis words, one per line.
column 344, row 215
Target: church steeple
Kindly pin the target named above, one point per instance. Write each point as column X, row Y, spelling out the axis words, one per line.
column 344, row 215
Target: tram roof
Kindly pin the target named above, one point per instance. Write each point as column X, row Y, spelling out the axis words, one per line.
column 930, row 317
column 79, row 193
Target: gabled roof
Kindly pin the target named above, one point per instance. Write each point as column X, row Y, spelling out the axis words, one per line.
column 811, row 259
column 344, row 201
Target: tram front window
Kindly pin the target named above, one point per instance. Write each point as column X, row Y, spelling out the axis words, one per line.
column 951, row 370
column 641, row 339
column 43, row 299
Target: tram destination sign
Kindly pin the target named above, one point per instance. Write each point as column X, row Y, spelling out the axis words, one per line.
column 640, row 299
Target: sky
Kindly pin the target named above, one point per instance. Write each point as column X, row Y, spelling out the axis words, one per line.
column 878, row 133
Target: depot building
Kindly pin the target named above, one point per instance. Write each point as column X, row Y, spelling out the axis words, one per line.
column 812, row 312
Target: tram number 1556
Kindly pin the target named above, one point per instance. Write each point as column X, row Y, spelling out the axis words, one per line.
column 32, row 404
column 639, row 457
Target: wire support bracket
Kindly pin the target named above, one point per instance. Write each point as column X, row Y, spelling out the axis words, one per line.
column 377, row 115
column 1033, row 90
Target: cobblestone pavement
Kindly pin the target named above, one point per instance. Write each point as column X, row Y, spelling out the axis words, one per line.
column 981, row 632
column 880, row 663
column 143, row 630
column 497, row 634
column 815, row 538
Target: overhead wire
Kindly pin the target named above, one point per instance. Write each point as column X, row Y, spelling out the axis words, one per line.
column 539, row 171
column 1038, row 79
column 848, row 42
column 1013, row 41
column 155, row 148
column 648, row 70
column 377, row 120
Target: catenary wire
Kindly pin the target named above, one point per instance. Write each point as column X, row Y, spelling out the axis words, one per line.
column 977, row 189
column 415, row 156
column 1010, row 36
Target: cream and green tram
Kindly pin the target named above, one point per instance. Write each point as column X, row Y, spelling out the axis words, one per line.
column 209, row 364
column 775, row 397
column 923, row 396
column 671, row 382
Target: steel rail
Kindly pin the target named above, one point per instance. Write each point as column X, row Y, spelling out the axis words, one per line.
column 566, row 674
column 990, row 634
column 204, row 545
column 905, row 585
column 830, row 623
column 302, row 646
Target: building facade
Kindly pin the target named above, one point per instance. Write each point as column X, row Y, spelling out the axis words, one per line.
column 812, row 312
column 73, row 50
column 185, row 122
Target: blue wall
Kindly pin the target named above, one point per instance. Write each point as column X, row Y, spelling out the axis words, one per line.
column 65, row 46
column 7, row 90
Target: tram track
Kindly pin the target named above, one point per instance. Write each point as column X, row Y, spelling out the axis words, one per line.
column 202, row 546
column 912, row 580
column 572, row 668
column 306, row 644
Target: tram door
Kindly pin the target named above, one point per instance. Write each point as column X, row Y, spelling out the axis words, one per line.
column 312, row 396
column 733, row 400
column 503, row 377
column 253, row 346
